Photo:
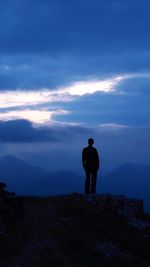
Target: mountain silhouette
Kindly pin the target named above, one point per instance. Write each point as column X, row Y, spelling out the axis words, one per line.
column 20, row 176
column 129, row 179
column 64, row 182
column 26, row 179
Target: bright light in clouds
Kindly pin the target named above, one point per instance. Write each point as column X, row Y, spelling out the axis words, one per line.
column 24, row 100
column 35, row 116
column 90, row 87
column 21, row 98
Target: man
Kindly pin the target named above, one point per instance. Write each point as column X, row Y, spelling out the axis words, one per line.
column 90, row 161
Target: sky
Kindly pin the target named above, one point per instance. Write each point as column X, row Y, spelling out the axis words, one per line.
column 70, row 70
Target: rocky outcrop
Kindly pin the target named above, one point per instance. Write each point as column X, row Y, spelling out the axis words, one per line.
column 127, row 206
column 73, row 231
column 11, row 224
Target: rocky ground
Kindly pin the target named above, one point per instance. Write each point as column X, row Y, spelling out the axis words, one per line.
column 71, row 231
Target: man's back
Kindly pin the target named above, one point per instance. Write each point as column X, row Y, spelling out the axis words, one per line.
column 90, row 158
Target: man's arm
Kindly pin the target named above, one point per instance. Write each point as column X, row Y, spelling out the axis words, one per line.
column 83, row 159
column 97, row 159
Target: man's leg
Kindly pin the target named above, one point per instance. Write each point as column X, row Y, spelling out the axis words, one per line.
column 94, row 179
column 87, row 182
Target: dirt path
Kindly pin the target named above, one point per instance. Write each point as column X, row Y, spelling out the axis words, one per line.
column 38, row 220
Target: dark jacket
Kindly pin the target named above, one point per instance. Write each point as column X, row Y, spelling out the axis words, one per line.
column 90, row 158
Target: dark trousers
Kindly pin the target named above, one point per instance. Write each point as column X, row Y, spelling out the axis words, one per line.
column 90, row 182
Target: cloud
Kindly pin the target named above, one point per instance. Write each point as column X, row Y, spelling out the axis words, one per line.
column 127, row 105
column 115, row 100
column 90, row 87
column 22, row 131
column 54, row 53
column 21, row 98
column 42, row 106
column 34, row 116
column 57, row 148
column 35, row 72
column 90, row 27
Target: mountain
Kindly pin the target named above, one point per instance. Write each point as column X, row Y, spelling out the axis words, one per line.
column 64, row 182
column 26, row 179
column 20, row 176
column 128, row 179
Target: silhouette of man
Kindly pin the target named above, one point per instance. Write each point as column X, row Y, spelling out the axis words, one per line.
column 90, row 161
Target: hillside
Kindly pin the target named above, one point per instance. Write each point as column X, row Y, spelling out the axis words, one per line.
column 69, row 231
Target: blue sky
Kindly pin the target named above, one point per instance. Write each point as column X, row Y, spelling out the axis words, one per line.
column 74, row 69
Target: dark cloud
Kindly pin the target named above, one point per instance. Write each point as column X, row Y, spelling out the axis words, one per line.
column 116, row 146
column 36, row 72
column 55, row 148
column 52, row 43
column 22, row 131
column 129, row 105
column 85, row 26
column 8, row 82
column 138, row 86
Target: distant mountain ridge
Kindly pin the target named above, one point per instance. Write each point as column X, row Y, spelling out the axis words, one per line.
column 19, row 175
column 26, row 179
column 130, row 179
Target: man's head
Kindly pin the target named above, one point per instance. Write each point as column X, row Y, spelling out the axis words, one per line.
column 90, row 141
